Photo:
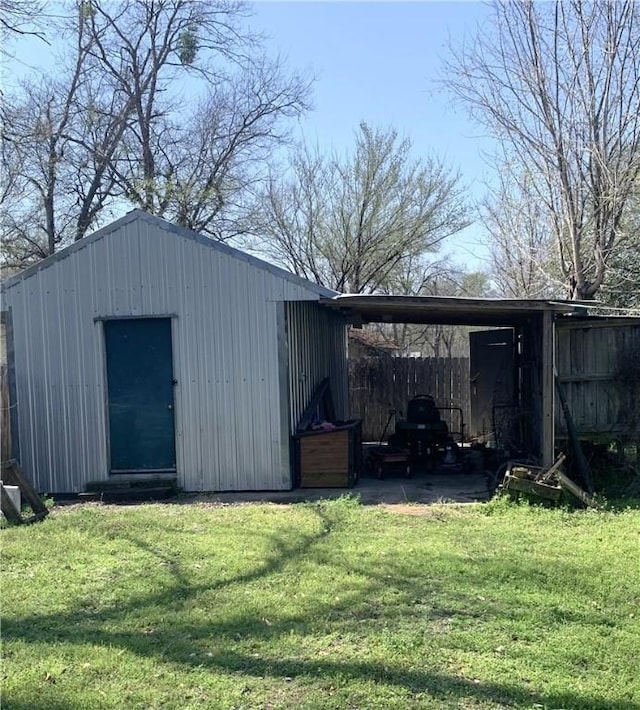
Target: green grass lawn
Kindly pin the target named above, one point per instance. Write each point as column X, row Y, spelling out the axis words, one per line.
column 330, row 605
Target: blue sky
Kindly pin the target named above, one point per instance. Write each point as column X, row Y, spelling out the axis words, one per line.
column 373, row 61
column 379, row 62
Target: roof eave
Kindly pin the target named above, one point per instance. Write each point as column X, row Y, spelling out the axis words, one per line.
column 446, row 310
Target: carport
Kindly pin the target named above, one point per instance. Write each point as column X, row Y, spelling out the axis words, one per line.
column 533, row 324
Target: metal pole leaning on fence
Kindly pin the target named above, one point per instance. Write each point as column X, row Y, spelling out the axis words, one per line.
column 576, row 448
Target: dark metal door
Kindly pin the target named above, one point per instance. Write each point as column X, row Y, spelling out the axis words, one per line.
column 492, row 372
column 140, row 395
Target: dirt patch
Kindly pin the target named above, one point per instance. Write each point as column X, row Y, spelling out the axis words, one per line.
column 436, row 511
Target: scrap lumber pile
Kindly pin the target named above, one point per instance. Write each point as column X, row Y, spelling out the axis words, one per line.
column 12, row 475
column 547, row 483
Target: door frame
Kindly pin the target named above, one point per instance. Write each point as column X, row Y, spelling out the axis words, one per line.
column 508, row 333
column 142, row 475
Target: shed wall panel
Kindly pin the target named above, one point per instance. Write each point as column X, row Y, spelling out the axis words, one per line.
column 224, row 329
column 317, row 339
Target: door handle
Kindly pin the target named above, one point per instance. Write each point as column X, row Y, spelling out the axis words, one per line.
column 169, row 406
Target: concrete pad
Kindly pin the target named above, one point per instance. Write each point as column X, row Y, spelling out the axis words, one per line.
column 426, row 488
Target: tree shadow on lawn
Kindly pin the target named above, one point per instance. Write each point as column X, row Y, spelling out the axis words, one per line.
column 197, row 646
column 437, row 685
column 16, row 702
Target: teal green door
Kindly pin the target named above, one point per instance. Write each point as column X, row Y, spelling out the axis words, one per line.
column 140, row 388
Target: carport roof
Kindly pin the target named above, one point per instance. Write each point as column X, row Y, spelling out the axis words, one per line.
column 446, row 310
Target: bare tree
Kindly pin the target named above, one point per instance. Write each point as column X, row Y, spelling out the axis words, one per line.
column 59, row 135
column 190, row 164
column 351, row 222
column 201, row 172
column 622, row 286
column 559, row 84
column 167, row 105
column 520, row 235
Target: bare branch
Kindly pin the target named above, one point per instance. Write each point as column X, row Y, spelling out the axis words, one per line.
column 351, row 222
column 559, row 85
column 111, row 125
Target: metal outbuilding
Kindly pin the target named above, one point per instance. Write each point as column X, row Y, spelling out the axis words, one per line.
column 208, row 354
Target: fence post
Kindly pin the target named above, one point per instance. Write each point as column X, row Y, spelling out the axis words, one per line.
column 5, row 414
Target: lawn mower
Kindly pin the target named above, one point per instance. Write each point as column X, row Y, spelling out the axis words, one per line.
column 422, row 439
column 425, row 435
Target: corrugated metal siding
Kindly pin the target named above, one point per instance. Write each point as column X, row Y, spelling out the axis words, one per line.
column 224, row 347
column 3, row 343
column 587, row 358
column 317, row 339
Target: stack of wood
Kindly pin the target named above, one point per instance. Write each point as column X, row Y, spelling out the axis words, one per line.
column 547, row 483
column 12, row 475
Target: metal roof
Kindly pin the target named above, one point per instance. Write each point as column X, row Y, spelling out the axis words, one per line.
column 139, row 214
column 446, row 310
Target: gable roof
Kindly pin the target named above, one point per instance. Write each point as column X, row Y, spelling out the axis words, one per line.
column 140, row 215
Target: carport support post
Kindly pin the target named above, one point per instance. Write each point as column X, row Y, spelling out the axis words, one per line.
column 548, row 390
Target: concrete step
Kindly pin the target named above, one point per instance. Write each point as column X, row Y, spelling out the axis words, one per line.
column 126, row 494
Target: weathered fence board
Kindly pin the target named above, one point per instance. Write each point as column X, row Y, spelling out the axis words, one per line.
column 597, row 368
column 377, row 385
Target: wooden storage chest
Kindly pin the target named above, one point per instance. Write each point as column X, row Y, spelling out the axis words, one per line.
column 329, row 458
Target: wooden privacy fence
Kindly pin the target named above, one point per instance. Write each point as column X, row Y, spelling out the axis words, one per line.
column 378, row 384
column 598, row 364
